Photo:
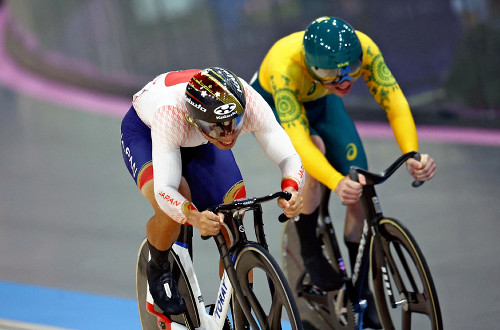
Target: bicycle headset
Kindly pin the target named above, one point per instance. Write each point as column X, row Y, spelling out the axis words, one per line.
column 332, row 50
column 215, row 99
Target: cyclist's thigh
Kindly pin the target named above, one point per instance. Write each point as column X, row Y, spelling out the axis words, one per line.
column 136, row 148
column 212, row 175
column 342, row 142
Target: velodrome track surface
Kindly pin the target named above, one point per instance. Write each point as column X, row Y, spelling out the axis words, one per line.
column 71, row 218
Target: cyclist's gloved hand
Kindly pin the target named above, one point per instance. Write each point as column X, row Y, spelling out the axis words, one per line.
column 207, row 222
column 292, row 207
column 350, row 191
column 422, row 170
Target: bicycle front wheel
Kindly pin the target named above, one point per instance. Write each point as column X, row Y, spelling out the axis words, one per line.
column 403, row 273
column 266, row 291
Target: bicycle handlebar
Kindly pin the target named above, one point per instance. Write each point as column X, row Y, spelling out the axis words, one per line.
column 240, row 204
column 247, row 203
column 374, row 178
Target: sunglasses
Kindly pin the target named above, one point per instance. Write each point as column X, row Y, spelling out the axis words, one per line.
column 337, row 75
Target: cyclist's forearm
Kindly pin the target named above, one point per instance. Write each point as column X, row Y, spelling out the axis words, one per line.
column 404, row 130
column 320, row 169
column 173, row 203
column 278, row 147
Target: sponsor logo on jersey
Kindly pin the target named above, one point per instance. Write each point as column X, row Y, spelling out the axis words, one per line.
column 237, row 191
column 351, row 151
column 127, row 152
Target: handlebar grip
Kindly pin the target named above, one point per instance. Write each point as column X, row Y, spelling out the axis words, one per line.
column 353, row 174
column 286, row 195
column 417, row 183
column 283, row 218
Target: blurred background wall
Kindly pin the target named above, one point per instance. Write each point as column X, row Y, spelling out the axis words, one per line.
column 444, row 54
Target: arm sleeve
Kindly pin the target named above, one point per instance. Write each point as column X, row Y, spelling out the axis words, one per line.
column 274, row 141
column 386, row 91
column 296, row 125
column 167, row 165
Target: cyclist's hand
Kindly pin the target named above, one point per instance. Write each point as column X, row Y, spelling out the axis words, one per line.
column 423, row 170
column 292, row 207
column 350, row 191
column 207, row 222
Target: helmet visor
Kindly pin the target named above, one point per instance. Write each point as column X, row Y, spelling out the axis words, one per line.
column 337, row 75
column 220, row 130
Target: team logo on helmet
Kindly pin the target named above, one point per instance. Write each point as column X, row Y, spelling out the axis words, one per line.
column 225, row 109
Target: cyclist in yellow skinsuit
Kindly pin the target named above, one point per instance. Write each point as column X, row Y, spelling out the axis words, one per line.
column 303, row 77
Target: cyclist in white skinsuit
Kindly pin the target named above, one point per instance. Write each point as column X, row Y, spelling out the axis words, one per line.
column 183, row 124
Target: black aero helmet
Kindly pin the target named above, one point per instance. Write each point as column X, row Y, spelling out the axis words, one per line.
column 215, row 99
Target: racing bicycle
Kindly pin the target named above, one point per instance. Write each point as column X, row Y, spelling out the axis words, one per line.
column 262, row 304
column 404, row 292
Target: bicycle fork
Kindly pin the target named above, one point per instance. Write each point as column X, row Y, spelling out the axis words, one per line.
column 373, row 212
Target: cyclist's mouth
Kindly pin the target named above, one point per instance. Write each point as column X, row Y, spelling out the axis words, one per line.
column 344, row 87
column 227, row 144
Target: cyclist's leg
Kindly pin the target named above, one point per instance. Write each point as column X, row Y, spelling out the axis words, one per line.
column 161, row 229
column 214, row 178
column 343, row 150
column 318, row 268
column 322, row 274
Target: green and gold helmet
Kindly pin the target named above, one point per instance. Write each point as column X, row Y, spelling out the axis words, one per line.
column 330, row 44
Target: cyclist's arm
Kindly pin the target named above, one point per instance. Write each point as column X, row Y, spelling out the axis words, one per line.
column 273, row 140
column 167, row 166
column 296, row 125
column 388, row 95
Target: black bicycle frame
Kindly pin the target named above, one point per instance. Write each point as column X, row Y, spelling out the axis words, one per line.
column 373, row 213
column 235, row 212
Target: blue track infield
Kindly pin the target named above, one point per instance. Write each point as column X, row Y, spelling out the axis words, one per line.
column 36, row 305
column 66, row 309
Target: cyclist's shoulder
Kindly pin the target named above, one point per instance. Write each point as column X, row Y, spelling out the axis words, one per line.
column 292, row 39
column 160, row 94
column 369, row 47
column 285, row 54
